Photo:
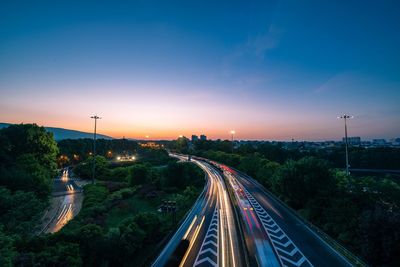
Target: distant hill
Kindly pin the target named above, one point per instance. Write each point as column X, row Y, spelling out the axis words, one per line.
column 60, row 133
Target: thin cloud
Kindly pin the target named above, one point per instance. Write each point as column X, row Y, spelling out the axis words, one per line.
column 253, row 49
column 339, row 82
column 264, row 41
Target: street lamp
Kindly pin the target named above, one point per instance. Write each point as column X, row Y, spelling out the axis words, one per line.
column 345, row 117
column 95, row 117
column 232, row 132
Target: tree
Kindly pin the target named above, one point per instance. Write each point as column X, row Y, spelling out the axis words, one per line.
column 380, row 234
column 150, row 223
column 119, row 174
column 61, row 254
column 250, row 164
column 138, row 174
column 132, row 237
column 182, row 144
column 179, row 175
column 7, row 249
column 82, row 147
column 266, row 171
column 85, row 169
column 91, row 243
column 300, row 181
column 20, row 210
column 28, row 175
column 32, row 139
column 28, row 156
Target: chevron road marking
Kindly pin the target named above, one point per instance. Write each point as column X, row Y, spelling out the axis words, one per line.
column 289, row 255
column 208, row 254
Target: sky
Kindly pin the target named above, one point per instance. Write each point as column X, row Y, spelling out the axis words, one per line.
column 270, row 70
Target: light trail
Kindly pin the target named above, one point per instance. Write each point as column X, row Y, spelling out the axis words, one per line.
column 230, row 228
column 190, row 227
column 227, row 253
column 62, row 212
column 222, row 239
column 224, row 245
column 196, row 232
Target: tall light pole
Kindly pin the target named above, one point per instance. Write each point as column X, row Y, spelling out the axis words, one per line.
column 345, row 117
column 232, row 132
column 95, row 117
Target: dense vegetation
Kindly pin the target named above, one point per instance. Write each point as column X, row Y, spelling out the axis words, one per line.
column 369, row 158
column 362, row 213
column 83, row 147
column 27, row 165
column 119, row 224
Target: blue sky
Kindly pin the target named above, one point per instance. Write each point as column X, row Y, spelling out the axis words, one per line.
column 268, row 69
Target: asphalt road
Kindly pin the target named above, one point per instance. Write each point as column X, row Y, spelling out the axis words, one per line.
column 67, row 201
column 273, row 234
column 209, row 228
column 280, row 238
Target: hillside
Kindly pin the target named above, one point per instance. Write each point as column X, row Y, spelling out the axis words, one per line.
column 61, row 133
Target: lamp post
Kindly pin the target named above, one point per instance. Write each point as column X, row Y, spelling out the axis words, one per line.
column 95, row 117
column 345, row 117
column 232, row 132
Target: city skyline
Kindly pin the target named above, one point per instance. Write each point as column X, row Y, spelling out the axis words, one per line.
column 271, row 70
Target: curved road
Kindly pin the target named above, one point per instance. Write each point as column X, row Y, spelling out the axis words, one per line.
column 66, row 203
column 293, row 243
column 209, row 228
column 273, row 234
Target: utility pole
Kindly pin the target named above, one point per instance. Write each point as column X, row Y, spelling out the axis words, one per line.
column 95, row 117
column 345, row 117
column 232, row 134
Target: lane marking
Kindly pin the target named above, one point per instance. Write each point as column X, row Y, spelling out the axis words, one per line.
column 192, row 241
column 190, row 227
column 210, row 243
column 278, row 237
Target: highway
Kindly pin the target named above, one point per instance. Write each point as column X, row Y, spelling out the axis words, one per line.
column 274, row 235
column 209, row 234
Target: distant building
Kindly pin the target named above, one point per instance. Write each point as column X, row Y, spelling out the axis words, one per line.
column 379, row 142
column 153, row 145
column 354, row 141
column 195, row 138
column 203, row 137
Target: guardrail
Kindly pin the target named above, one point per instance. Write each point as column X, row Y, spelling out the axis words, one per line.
column 159, row 247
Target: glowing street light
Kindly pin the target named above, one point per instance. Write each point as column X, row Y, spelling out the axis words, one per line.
column 345, row 117
column 232, row 132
